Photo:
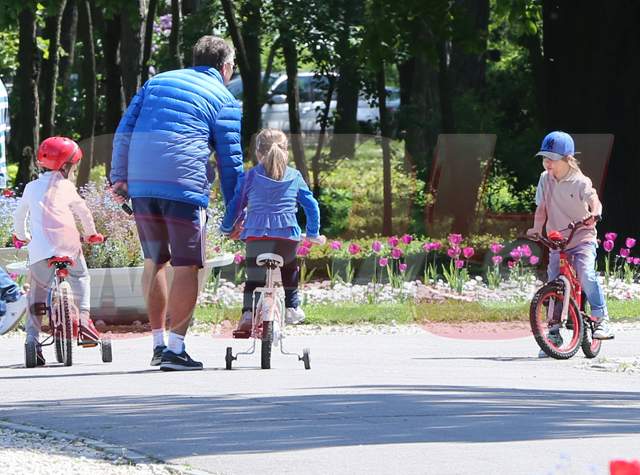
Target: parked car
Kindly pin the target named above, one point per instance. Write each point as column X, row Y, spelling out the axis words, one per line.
column 313, row 90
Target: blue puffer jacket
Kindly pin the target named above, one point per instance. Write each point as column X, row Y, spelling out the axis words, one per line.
column 164, row 141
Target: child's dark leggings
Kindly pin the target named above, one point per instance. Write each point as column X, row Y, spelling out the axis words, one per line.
column 256, row 276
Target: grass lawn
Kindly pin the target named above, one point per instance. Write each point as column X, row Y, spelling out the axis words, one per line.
column 448, row 311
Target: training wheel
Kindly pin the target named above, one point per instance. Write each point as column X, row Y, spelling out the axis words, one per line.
column 229, row 357
column 305, row 358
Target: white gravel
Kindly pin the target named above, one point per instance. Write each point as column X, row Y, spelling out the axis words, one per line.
column 228, row 294
column 43, row 452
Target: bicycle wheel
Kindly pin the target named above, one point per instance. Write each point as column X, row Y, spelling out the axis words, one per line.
column 266, row 344
column 30, row 358
column 64, row 325
column 590, row 347
column 558, row 340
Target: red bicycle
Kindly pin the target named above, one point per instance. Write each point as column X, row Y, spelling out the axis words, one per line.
column 559, row 322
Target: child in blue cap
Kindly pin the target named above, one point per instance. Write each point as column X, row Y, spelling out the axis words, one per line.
column 565, row 195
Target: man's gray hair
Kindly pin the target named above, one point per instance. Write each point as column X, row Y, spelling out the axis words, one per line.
column 212, row 51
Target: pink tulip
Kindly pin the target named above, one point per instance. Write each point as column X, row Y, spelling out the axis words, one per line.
column 455, row 239
column 407, row 238
column 610, row 236
column 453, row 252
column 459, row 263
column 624, row 252
column 376, row 246
column 383, row 262
column 306, row 243
column 467, row 252
column 496, row 260
column 402, row 267
column 608, row 245
column 238, row 258
column 525, row 250
column 396, row 253
column 516, row 254
column 629, row 260
column 217, row 249
column 533, row 260
column 393, row 241
column 336, row 245
column 13, row 275
column 354, row 248
column 630, row 242
column 436, row 245
column 511, row 264
column 636, row 261
column 303, row 251
column 496, row 248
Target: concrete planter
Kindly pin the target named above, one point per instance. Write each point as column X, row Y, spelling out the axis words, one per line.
column 10, row 255
column 116, row 293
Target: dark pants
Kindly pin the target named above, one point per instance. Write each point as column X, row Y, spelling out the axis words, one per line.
column 256, row 275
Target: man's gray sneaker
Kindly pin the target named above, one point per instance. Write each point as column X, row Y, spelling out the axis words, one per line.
column 178, row 362
column 157, row 355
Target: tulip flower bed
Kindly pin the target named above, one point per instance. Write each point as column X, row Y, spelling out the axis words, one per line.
column 409, row 271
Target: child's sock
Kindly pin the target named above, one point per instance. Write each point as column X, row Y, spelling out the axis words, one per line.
column 158, row 337
column 176, row 343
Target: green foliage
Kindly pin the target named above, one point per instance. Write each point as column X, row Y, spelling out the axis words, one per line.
column 8, row 53
column 501, row 195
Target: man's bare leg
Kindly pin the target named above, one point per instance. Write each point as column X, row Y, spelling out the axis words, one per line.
column 182, row 298
column 154, row 286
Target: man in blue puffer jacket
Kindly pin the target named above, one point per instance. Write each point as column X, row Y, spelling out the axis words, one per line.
column 160, row 159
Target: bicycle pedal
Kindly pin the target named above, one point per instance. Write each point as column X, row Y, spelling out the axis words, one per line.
column 239, row 334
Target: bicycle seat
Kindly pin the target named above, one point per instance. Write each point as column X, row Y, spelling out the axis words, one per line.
column 270, row 260
column 60, row 260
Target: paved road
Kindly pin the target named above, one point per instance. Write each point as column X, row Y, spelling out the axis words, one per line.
column 370, row 404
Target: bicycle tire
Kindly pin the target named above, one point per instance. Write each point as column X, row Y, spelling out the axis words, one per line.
column 66, row 324
column 30, row 356
column 590, row 347
column 540, row 328
column 266, row 344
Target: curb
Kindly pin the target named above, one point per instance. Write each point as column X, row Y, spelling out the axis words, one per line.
column 132, row 456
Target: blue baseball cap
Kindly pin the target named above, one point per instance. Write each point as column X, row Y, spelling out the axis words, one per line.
column 556, row 145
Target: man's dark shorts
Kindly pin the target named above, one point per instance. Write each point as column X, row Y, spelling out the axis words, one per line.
column 171, row 231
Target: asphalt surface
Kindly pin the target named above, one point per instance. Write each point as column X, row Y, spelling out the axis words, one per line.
column 373, row 404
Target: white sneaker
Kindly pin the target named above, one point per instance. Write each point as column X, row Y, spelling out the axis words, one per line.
column 15, row 311
column 294, row 316
column 602, row 331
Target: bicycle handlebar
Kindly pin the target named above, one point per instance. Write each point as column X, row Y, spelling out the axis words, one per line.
column 561, row 244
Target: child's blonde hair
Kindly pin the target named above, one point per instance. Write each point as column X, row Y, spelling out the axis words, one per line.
column 572, row 162
column 272, row 145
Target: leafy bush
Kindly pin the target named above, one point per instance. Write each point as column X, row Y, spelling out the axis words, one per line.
column 8, row 204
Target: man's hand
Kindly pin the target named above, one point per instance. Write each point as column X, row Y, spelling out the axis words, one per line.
column 120, row 192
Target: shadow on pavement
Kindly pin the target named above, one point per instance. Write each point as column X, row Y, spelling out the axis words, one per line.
column 181, row 426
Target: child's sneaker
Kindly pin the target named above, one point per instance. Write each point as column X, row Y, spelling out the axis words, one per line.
column 603, row 331
column 294, row 316
column 14, row 313
column 555, row 338
column 89, row 335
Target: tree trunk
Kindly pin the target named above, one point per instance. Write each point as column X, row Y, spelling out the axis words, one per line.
column 50, row 70
column 385, row 137
column 348, row 86
column 175, row 39
column 68, row 33
column 293, row 101
column 444, row 86
column 324, row 121
column 148, row 38
column 132, row 34
column 468, row 62
column 25, row 132
column 264, row 87
column 247, row 44
column 90, row 88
